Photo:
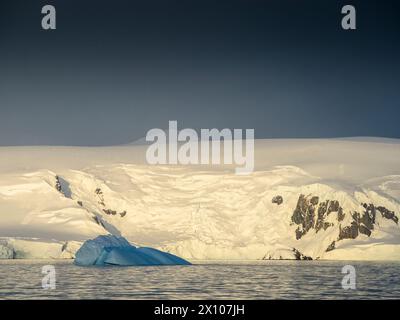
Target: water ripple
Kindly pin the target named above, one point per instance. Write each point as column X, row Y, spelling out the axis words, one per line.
column 259, row 280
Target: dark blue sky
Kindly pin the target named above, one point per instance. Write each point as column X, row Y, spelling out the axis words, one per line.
column 114, row 69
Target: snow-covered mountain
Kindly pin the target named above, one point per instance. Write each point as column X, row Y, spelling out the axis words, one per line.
column 316, row 198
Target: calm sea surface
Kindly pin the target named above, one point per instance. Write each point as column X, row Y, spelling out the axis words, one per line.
column 22, row 279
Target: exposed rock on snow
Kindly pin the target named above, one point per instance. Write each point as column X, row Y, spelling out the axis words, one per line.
column 58, row 184
column 331, row 246
column 101, row 201
column 386, row 213
column 299, row 256
column 364, row 223
column 113, row 212
column 308, row 214
column 112, row 250
column 278, row 200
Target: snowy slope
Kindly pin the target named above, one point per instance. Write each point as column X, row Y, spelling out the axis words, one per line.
column 325, row 199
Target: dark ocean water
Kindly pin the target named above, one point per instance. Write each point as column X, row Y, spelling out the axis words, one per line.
column 21, row 279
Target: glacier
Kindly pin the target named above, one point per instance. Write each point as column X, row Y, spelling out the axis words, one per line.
column 329, row 199
column 117, row 251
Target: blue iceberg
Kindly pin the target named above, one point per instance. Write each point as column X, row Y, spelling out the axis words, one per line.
column 113, row 250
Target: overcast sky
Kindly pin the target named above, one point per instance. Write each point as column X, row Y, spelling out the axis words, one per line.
column 114, row 69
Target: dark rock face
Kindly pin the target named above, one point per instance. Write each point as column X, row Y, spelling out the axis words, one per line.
column 299, row 256
column 101, row 201
column 333, row 207
column 326, row 225
column 62, row 186
column 122, row 214
column 113, row 212
column 314, row 201
column 311, row 214
column 100, row 196
column 331, row 246
column 388, row 214
column 364, row 223
column 304, row 216
column 340, row 214
column 278, row 200
column 364, row 230
column 58, row 184
column 299, row 234
column 110, row 212
column 368, row 218
column 349, row 232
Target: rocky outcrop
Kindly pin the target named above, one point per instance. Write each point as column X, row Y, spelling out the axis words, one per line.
column 331, row 246
column 62, row 186
column 388, row 214
column 304, row 215
column 113, row 212
column 58, row 184
column 364, row 223
column 348, row 232
column 299, row 256
column 311, row 214
column 107, row 211
column 99, row 194
column 277, row 199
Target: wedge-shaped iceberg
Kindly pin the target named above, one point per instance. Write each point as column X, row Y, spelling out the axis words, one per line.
column 113, row 250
